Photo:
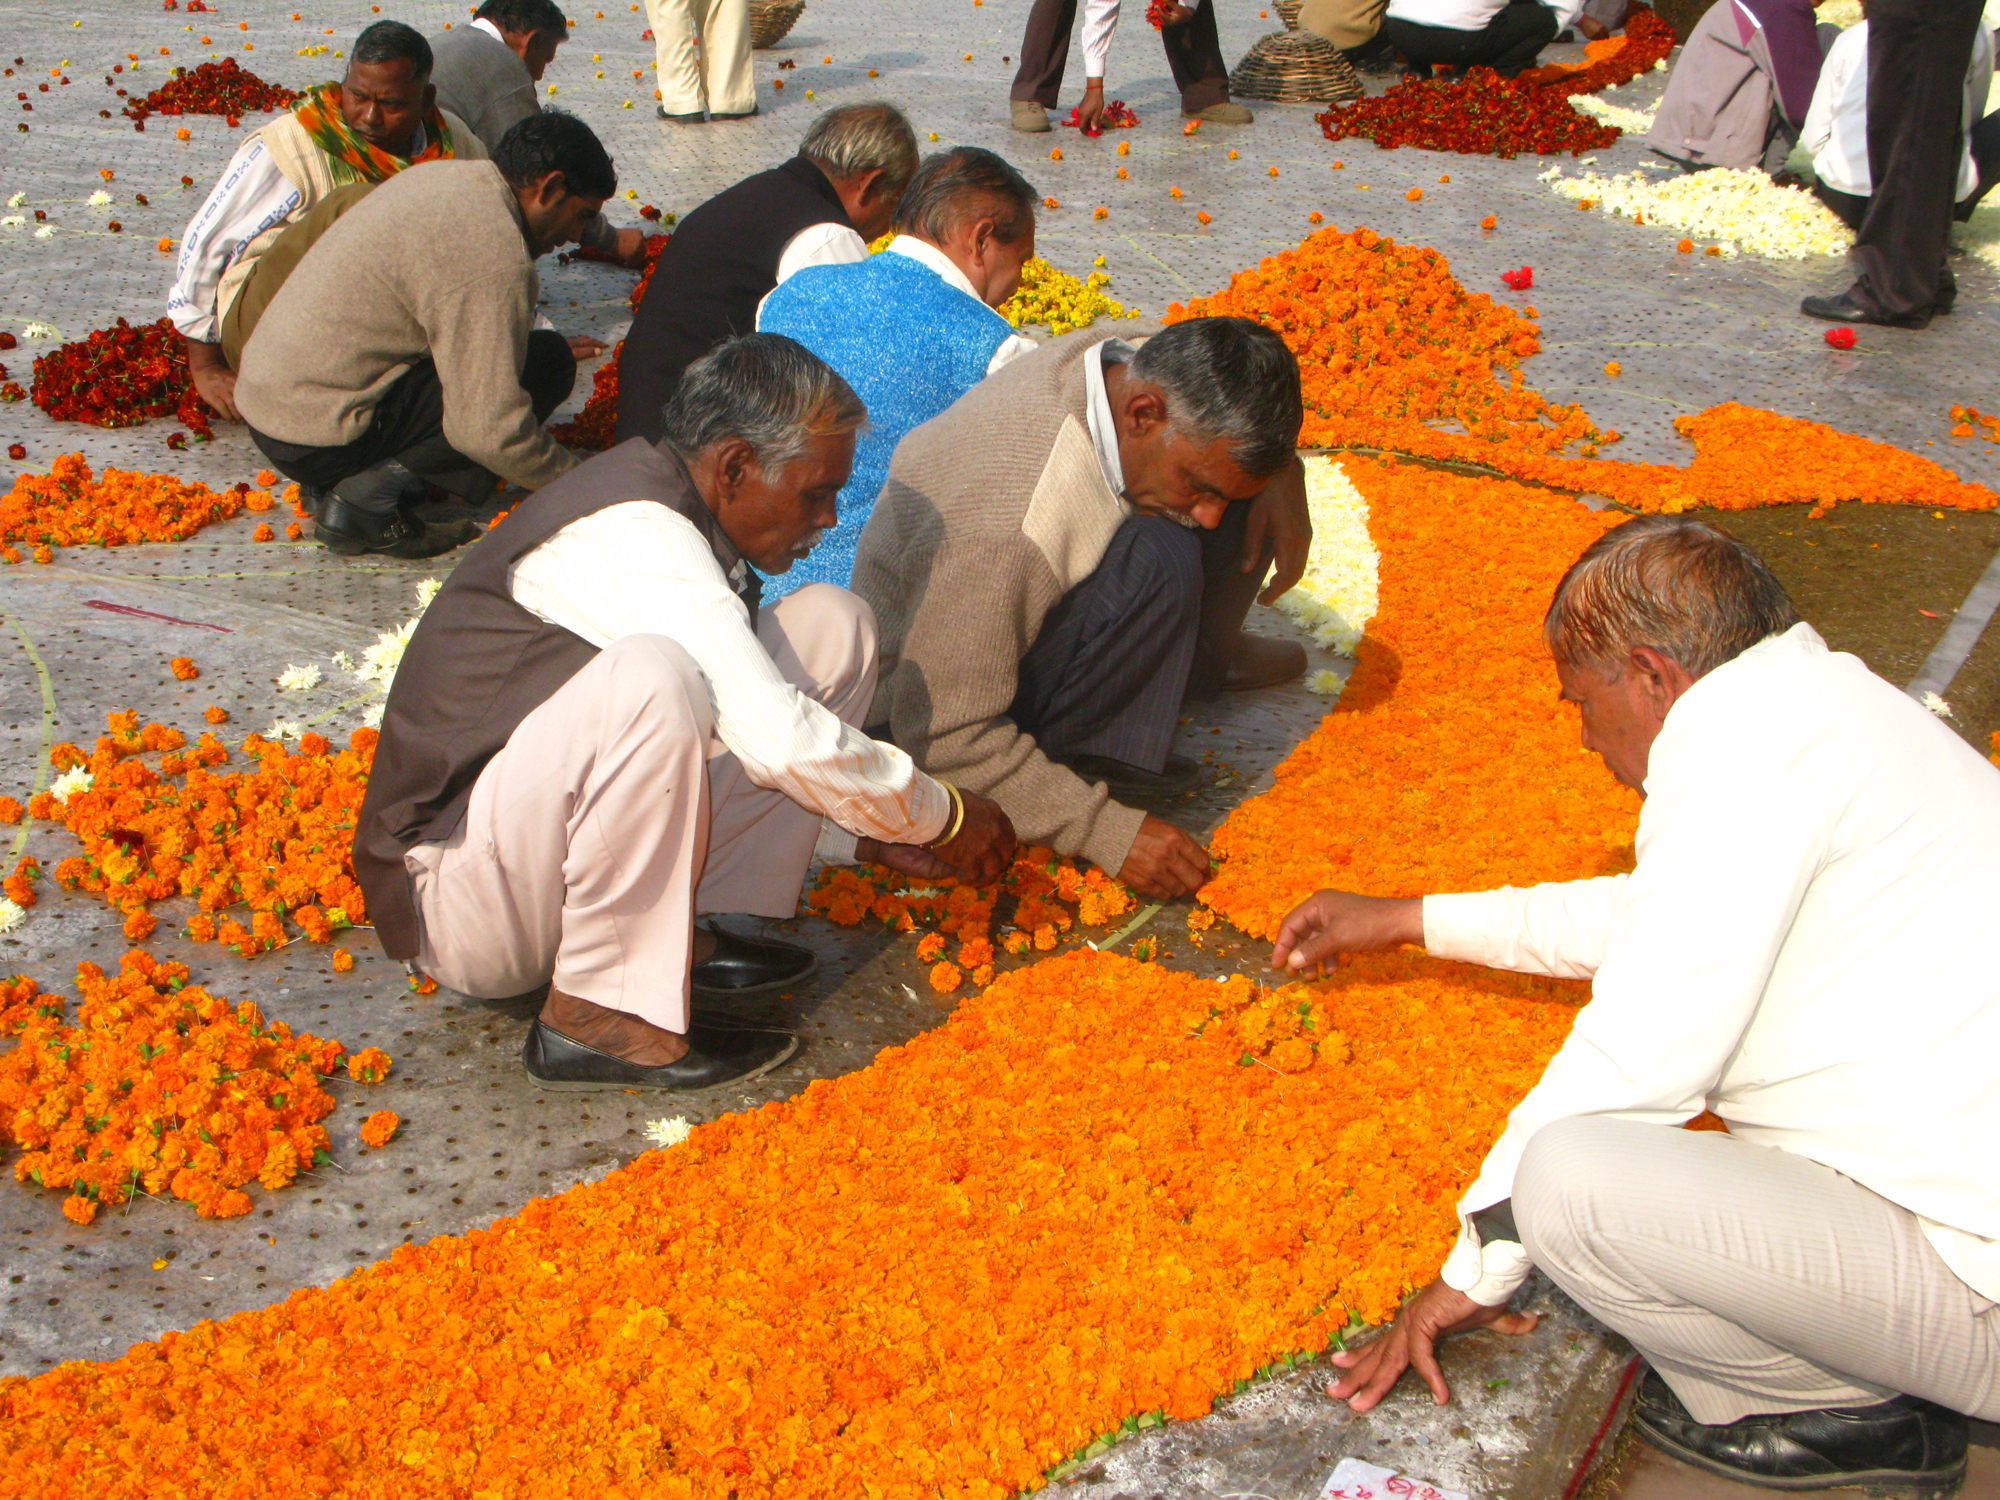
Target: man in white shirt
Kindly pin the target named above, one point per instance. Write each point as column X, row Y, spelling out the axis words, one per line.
column 381, row 118
column 914, row 328
column 1836, row 129
column 1807, row 947
column 1504, row 35
column 1194, row 54
column 596, row 734
column 820, row 208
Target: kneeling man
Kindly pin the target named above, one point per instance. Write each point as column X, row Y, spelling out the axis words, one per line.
column 596, row 734
column 1066, row 555
column 1807, row 947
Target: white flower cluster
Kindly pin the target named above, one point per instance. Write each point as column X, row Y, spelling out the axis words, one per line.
column 11, row 915
column 99, row 198
column 298, row 679
column 40, row 330
column 1843, row 13
column 1338, row 595
column 1742, row 211
column 285, row 729
column 668, row 1132
column 1631, row 121
column 69, row 784
column 379, row 661
column 12, row 221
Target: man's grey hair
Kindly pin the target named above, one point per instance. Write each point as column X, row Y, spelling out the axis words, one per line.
column 962, row 184
column 770, row 391
column 1681, row 586
column 857, row 138
column 1228, row 378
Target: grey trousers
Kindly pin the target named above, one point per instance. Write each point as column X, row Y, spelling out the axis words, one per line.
column 1752, row 1279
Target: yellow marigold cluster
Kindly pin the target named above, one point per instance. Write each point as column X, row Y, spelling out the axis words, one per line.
column 1059, row 299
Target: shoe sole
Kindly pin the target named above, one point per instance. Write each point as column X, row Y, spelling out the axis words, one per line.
column 576, row 1086
column 768, row 988
column 1902, row 1484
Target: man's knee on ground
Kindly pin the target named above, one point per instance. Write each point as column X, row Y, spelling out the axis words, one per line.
column 1157, row 559
column 838, row 614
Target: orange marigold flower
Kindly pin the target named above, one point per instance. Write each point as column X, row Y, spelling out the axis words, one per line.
column 378, row 1128
column 945, row 978
column 1613, row 368
column 929, row 947
column 343, row 961
column 370, row 1065
column 184, row 668
column 1202, row 217
column 1685, row 246
column 10, row 810
column 215, row 714
column 1414, row 194
column 263, row 533
column 79, row 1209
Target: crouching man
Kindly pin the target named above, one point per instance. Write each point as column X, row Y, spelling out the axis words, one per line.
column 1806, row 947
column 596, row 734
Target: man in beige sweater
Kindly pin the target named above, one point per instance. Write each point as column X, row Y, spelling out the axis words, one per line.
column 401, row 346
column 1043, row 557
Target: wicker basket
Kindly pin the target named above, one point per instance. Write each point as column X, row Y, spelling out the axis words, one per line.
column 1295, row 67
column 1288, row 12
column 771, row 19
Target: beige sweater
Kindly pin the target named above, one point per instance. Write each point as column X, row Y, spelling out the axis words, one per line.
column 992, row 512
column 433, row 263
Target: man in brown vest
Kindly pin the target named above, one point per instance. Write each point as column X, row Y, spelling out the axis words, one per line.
column 595, row 735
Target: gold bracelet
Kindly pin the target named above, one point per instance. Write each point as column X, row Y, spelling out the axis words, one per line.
column 957, row 818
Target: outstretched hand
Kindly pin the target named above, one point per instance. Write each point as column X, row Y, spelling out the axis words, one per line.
column 1370, row 1372
column 1329, row 923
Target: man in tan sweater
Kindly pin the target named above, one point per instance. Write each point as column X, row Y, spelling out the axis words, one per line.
column 401, row 345
column 1037, row 563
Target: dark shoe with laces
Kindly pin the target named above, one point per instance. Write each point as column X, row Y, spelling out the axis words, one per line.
column 342, row 529
column 1178, row 777
column 751, row 966
column 1912, row 1448
column 1844, row 309
column 715, row 1055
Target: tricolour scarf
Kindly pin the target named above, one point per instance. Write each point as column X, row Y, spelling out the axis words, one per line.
column 318, row 114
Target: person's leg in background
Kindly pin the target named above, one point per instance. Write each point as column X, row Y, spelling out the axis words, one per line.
column 1985, row 162
column 1918, row 51
column 1044, row 54
column 725, row 55
column 1851, row 209
column 677, row 71
column 1514, row 38
column 1194, row 53
column 1103, row 683
column 1225, row 655
column 1759, row 1284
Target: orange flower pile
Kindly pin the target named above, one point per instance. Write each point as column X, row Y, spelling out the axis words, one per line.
column 183, row 667
column 1100, row 1189
column 274, row 840
column 1448, row 763
column 1041, row 897
column 157, row 1087
column 1389, row 342
column 69, row 508
column 1394, row 353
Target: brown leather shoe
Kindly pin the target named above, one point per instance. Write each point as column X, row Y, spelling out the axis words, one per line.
column 1259, row 661
column 618, row 1032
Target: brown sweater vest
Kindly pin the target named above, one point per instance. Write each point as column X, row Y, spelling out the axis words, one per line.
column 478, row 664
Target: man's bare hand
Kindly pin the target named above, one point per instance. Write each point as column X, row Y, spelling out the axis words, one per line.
column 1280, row 523
column 1164, row 862
column 1090, row 110
column 913, row 860
column 1176, row 15
column 631, row 248
column 213, row 380
column 1329, row 923
column 583, row 346
column 1373, row 1370
column 984, row 845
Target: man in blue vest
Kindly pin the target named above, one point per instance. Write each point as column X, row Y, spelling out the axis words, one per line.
column 912, row 329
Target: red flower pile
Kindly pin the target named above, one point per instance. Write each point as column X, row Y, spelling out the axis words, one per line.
column 1157, row 12
column 593, row 428
column 120, row 376
column 1117, row 115
column 214, row 88
column 1487, row 115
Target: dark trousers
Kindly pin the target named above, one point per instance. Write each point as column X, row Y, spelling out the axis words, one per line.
column 1122, row 651
column 1508, row 43
column 1985, row 161
column 1194, row 53
column 407, row 427
column 1918, row 51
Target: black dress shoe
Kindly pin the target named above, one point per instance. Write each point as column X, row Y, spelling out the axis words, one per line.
column 751, row 966
column 1260, row 661
column 715, row 1055
column 1844, row 309
column 697, row 118
column 1179, row 776
column 1914, row 1446
column 342, row 529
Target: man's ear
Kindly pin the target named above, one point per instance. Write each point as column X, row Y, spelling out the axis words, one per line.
column 1145, row 409
column 551, row 189
column 734, row 461
column 430, row 100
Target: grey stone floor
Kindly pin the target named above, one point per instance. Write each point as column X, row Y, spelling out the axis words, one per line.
column 478, row 1142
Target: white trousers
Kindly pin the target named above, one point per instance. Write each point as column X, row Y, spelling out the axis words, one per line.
column 719, row 79
column 1752, row 1279
column 609, row 820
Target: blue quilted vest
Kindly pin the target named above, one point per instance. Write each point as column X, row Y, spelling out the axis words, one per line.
column 909, row 344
